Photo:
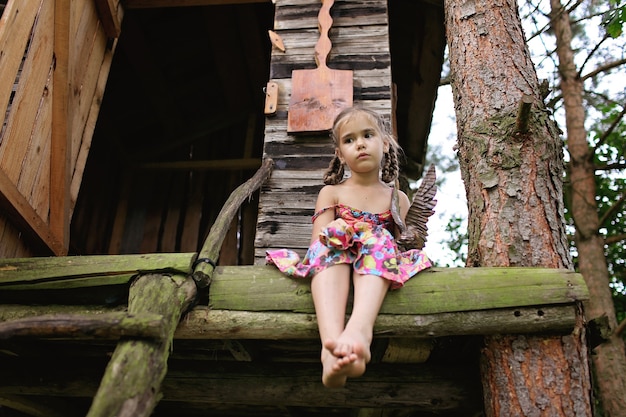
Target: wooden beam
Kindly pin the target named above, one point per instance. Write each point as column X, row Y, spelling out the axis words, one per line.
column 23, row 271
column 204, row 323
column 220, row 164
column 27, row 220
column 427, row 388
column 436, row 290
column 78, row 326
column 148, row 4
column 111, row 13
column 60, row 175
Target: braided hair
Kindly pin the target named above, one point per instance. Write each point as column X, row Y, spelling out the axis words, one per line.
column 389, row 166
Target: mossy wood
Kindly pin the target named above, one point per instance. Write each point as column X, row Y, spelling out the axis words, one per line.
column 132, row 380
column 203, row 323
column 437, row 290
column 84, row 271
column 113, row 325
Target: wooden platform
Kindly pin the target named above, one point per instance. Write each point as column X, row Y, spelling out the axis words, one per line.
column 251, row 347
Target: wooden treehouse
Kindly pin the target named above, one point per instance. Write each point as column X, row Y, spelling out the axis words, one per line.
column 144, row 141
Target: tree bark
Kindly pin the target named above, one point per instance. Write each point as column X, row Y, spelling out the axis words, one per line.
column 513, row 183
column 609, row 358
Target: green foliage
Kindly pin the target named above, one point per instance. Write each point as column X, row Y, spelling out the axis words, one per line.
column 614, row 18
column 458, row 240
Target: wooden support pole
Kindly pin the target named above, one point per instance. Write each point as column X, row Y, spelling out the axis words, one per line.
column 132, row 381
column 207, row 258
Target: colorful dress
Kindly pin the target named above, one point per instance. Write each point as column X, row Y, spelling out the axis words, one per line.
column 366, row 243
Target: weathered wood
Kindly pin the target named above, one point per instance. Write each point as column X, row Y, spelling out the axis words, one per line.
column 33, row 407
column 22, row 214
column 263, row 288
column 78, row 271
column 111, row 13
column 60, row 150
column 79, row 326
column 428, row 388
column 203, row 323
column 15, row 28
column 132, row 380
column 207, row 258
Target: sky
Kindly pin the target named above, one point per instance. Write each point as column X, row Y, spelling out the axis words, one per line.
column 450, row 195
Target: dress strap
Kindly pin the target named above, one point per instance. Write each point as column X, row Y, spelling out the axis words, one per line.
column 320, row 212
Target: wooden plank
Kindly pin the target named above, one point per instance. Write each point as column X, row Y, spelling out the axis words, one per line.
column 89, row 53
column 18, row 135
column 90, row 125
column 61, row 134
column 69, row 283
column 32, row 270
column 18, row 209
column 15, row 26
column 436, row 290
column 34, row 182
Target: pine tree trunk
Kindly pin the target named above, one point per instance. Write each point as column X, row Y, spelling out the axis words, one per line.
column 609, row 359
column 513, row 182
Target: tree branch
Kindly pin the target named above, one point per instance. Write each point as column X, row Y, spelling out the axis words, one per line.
column 620, row 329
column 609, row 240
column 610, row 167
column 611, row 211
column 604, row 68
column 611, row 128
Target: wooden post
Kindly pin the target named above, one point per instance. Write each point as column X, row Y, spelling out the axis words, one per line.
column 132, row 381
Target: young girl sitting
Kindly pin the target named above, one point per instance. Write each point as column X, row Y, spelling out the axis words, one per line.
column 353, row 239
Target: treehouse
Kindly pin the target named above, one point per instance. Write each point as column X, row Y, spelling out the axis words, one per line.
column 148, row 162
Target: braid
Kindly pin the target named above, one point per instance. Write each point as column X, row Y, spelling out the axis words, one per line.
column 390, row 165
column 334, row 173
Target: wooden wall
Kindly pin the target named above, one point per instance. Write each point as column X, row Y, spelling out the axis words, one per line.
column 360, row 41
column 55, row 61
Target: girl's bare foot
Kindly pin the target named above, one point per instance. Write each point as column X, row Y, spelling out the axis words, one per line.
column 341, row 361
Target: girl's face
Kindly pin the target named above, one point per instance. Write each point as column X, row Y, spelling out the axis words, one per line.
column 360, row 143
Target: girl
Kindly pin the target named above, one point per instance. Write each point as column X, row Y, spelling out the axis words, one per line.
column 352, row 238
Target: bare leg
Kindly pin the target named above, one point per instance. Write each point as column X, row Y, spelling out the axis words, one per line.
column 330, row 289
column 369, row 294
column 352, row 347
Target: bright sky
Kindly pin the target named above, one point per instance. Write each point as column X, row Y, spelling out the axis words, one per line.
column 451, row 193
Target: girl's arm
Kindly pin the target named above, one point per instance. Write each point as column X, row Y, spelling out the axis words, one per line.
column 325, row 198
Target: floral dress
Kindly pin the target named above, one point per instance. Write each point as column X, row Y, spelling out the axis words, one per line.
column 366, row 243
